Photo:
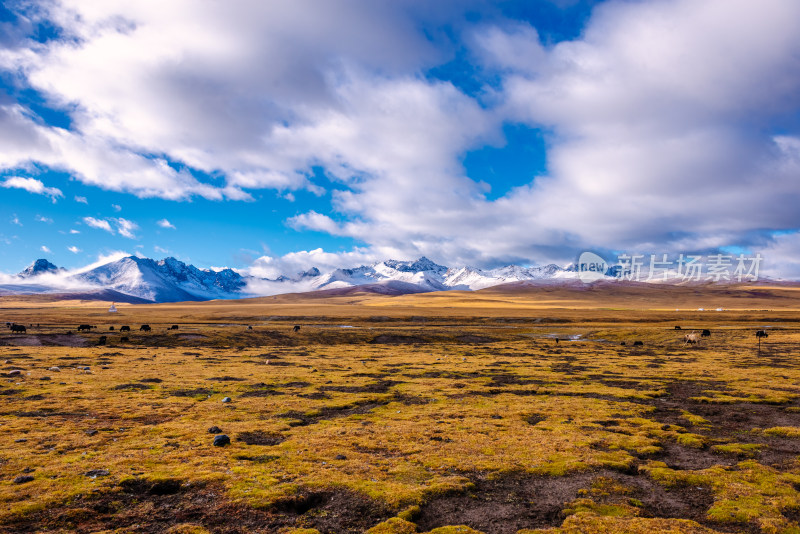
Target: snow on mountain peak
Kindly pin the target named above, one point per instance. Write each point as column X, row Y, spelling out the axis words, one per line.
column 420, row 265
column 171, row 280
column 38, row 267
column 167, row 280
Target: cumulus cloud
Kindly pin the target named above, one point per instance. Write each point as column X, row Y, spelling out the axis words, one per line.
column 126, row 228
column 296, row 262
column 42, row 218
column 44, row 249
column 82, row 200
column 668, row 123
column 32, row 185
column 100, row 224
column 651, row 119
column 73, row 231
column 231, row 64
column 74, row 249
column 164, row 223
column 666, row 133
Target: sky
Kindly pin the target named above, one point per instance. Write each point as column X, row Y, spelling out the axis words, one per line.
column 272, row 137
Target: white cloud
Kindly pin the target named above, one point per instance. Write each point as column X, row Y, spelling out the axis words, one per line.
column 667, row 121
column 116, row 207
column 102, row 259
column 15, row 220
column 142, row 88
column 100, row 224
column 32, row 185
column 300, row 261
column 163, row 223
column 42, row 218
column 44, row 249
column 658, row 142
column 126, row 228
column 160, row 250
column 781, row 256
column 651, row 119
column 82, row 200
column 74, row 249
column 73, row 231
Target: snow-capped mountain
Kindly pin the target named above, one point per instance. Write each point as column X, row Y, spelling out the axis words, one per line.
column 171, row 280
column 168, row 280
column 38, row 267
column 469, row 278
column 423, row 273
column 393, row 277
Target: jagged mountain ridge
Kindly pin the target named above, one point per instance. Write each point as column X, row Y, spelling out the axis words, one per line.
column 171, row 280
column 392, row 276
column 38, row 267
column 167, row 280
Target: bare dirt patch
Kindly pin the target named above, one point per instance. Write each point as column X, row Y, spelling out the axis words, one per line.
column 191, row 392
column 259, row 437
column 509, row 503
column 382, row 386
column 302, row 419
column 726, row 423
column 152, row 507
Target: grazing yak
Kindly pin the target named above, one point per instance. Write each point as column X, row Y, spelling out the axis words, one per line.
column 677, row 328
column 173, row 327
column 761, row 333
column 125, row 328
column 296, row 328
column 706, row 333
column 20, row 328
column 110, row 328
column 691, row 339
column 638, row 344
column 85, row 328
column 145, row 328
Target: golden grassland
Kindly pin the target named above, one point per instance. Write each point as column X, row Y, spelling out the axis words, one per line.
column 449, row 412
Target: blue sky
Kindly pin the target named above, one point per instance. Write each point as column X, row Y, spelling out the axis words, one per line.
column 273, row 137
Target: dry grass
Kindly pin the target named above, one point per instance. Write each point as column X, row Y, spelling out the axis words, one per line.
column 429, row 413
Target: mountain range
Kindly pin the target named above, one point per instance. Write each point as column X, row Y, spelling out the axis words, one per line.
column 136, row 279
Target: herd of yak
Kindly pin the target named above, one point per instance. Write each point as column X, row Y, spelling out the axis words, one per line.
column 22, row 329
column 688, row 339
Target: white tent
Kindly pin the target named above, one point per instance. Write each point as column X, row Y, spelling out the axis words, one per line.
column 112, row 309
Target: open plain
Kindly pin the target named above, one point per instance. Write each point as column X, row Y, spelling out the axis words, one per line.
column 514, row 409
